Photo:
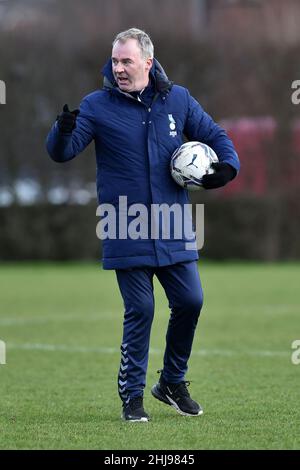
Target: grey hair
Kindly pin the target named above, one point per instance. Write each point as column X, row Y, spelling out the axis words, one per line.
column 143, row 40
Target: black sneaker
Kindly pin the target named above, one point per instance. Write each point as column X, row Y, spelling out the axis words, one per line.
column 134, row 411
column 176, row 395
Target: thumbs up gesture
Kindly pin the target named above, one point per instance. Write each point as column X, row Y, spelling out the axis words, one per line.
column 66, row 121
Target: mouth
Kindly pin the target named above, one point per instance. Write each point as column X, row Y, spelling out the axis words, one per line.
column 122, row 80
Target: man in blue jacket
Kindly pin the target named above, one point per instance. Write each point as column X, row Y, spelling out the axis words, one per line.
column 137, row 120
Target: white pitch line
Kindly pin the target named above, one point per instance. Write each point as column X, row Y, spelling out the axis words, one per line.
column 109, row 350
column 60, row 347
column 15, row 321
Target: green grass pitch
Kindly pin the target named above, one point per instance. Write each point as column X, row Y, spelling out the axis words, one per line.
column 62, row 325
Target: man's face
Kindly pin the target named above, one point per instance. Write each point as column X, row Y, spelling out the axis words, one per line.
column 130, row 69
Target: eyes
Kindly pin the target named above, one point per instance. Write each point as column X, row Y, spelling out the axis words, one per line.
column 124, row 62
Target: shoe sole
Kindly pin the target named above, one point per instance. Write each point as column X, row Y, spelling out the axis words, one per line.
column 172, row 403
column 141, row 420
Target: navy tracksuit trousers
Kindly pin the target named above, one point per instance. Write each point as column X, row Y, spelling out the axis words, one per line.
column 182, row 286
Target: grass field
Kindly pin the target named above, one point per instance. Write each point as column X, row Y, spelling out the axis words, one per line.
column 62, row 325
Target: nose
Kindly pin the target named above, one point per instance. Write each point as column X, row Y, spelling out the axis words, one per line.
column 118, row 67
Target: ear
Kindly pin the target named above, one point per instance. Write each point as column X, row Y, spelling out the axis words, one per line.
column 149, row 63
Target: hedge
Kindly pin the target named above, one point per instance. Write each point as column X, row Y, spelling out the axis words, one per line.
column 245, row 228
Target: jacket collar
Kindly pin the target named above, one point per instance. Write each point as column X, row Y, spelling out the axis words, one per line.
column 162, row 83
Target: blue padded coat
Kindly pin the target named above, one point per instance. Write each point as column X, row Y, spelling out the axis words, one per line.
column 134, row 142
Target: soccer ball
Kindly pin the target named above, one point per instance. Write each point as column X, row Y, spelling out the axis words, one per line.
column 190, row 162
